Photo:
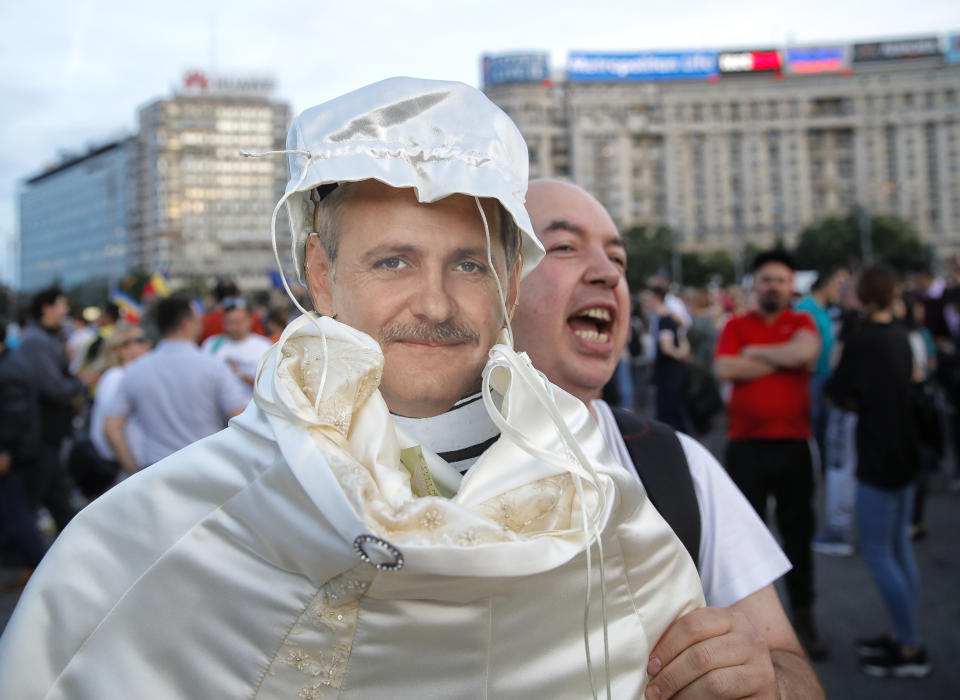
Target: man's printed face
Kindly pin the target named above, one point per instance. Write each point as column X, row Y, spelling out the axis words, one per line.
column 773, row 285
column 415, row 277
column 574, row 312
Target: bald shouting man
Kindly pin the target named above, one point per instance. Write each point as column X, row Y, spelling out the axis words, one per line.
column 573, row 321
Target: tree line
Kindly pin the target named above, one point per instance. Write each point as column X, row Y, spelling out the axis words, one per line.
column 831, row 242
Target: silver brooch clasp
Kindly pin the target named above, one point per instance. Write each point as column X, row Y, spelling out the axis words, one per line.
column 379, row 553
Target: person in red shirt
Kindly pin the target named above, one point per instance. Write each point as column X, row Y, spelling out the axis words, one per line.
column 213, row 319
column 767, row 354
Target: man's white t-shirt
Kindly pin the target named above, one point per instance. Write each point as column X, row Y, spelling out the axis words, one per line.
column 738, row 555
column 242, row 356
column 107, row 389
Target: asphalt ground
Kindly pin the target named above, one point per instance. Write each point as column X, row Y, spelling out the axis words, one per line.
column 848, row 606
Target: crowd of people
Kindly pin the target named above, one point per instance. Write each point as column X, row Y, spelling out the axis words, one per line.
column 79, row 412
column 853, row 380
column 456, row 409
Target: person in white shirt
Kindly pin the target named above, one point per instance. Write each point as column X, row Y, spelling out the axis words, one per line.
column 238, row 345
column 124, row 345
column 79, row 340
column 573, row 320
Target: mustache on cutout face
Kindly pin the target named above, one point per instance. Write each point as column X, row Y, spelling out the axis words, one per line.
column 443, row 332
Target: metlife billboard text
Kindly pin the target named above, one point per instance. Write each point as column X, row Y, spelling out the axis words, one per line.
column 650, row 65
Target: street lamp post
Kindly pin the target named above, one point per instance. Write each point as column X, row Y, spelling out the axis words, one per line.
column 866, row 237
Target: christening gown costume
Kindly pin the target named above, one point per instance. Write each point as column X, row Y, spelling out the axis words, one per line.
column 313, row 550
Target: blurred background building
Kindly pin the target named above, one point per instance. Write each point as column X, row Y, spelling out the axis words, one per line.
column 76, row 219
column 205, row 209
column 727, row 147
column 176, row 197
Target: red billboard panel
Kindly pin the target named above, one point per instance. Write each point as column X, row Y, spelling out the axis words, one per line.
column 749, row 61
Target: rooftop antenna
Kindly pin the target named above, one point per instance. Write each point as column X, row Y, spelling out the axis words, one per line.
column 212, row 32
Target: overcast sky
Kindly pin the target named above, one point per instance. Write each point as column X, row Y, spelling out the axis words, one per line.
column 74, row 73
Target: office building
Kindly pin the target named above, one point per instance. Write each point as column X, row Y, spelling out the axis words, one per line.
column 76, row 219
column 177, row 197
column 729, row 147
column 205, row 209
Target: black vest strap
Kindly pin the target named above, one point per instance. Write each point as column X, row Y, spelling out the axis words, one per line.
column 659, row 460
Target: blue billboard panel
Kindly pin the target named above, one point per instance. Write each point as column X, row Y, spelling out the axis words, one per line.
column 515, row 68
column 649, row 65
column 953, row 48
column 817, row 59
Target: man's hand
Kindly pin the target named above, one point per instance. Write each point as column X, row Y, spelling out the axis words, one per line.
column 87, row 376
column 711, row 653
column 114, row 431
column 739, row 368
column 5, row 462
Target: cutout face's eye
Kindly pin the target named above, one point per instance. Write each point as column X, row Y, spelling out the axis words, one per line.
column 470, row 266
column 394, row 263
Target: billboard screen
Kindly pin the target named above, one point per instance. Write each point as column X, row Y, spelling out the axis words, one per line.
column 749, row 61
column 648, row 65
column 953, row 48
column 818, row 59
column 924, row 47
column 515, row 68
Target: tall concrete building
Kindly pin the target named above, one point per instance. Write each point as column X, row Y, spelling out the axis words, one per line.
column 749, row 145
column 76, row 219
column 177, row 197
column 205, row 209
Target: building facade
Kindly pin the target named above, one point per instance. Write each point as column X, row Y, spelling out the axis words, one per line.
column 205, row 209
column 76, row 219
column 177, row 197
column 758, row 147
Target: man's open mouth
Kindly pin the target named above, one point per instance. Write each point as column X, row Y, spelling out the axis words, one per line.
column 593, row 323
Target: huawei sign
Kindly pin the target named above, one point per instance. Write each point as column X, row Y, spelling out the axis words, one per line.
column 196, row 82
column 196, row 79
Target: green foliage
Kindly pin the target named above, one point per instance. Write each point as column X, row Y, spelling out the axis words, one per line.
column 649, row 249
column 195, row 287
column 836, row 241
column 699, row 269
column 91, row 293
column 830, row 242
column 134, row 283
column 10, row 303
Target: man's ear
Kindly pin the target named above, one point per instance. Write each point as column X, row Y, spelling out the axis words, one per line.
column 319, row 274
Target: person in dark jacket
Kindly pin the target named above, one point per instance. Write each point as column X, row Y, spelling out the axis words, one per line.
column 874, row 378
column 19, row 445
column 44, row 357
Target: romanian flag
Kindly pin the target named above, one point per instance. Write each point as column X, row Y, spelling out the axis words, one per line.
column 158, row 284
column 130, row 311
